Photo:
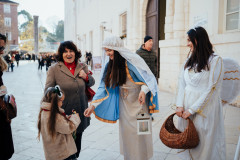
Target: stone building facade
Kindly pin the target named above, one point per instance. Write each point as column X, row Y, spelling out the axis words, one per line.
column 87, row 22
column 9, row 22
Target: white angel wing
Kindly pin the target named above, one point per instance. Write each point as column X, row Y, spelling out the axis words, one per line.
column 231, row 80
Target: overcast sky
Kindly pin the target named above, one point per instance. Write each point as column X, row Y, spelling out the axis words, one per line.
column 47, row 10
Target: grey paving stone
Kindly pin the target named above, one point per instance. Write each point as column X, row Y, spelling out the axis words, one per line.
column 106, row 155
column 159, row 156
column 172, row 157
column 89, row 154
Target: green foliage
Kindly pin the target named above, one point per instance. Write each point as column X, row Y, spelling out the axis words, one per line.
column 26, row 32
column 58, row 36
column 27, row 16
column 51, row 38
column 60, row 31
column 26, row 36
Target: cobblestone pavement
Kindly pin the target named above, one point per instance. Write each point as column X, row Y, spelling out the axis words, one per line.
column 100, row 140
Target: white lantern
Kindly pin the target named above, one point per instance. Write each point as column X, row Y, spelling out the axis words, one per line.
column 143, row 123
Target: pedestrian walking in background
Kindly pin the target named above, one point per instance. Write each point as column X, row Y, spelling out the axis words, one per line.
column 149, row 56
column 73, row 78
column 89, row 58
column 6, row 141
column 33, row 57
column 17, row 58
column 125, row 90
column 29, row 57
column 42, row 61
column 56, row 127
column 199, row 99
column 11, row 64
column 9, row 61
column 86, row 57
column 39, row 61
column 48, row 61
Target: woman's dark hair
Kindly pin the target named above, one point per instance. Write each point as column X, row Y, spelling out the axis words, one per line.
column 68, row 45
column 50, row 96
column 116, row 71
column 202, row 49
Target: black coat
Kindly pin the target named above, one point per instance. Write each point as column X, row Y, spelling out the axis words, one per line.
column 6, row 141
column 17, row 57
column 150, row 58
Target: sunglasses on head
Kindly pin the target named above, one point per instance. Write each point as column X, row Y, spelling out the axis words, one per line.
column 2, row 48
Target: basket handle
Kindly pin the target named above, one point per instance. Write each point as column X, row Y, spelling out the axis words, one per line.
column 172, row 115
column 190, row 122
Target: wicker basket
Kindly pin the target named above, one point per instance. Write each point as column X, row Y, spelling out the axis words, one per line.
column 173, row 138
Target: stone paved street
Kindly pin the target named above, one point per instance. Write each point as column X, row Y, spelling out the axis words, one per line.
column 100, row 140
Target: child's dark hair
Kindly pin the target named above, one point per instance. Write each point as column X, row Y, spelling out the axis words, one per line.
column 52, row 95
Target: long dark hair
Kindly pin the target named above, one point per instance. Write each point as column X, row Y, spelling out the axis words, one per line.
column 116, row 71
column 203, row 49
column 69, row 45
column 50, row 97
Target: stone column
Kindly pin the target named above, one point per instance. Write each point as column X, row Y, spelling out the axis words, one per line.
column 178, row 23
column 136, row 24
column 35, row 18
column 186, row 12
column 169, row 19
column 130, row 28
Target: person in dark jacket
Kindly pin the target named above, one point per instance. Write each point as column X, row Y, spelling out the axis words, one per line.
column 33, row 57
column 6, row 141
column 48, row 61
column 17, row 58
column 146, row 52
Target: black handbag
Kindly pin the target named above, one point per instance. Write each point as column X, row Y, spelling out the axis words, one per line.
column 11, row 105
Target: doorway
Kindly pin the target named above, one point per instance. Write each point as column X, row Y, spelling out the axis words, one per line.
column 155, row 20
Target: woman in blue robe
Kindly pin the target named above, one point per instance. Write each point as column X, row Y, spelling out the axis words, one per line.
column 127, row 87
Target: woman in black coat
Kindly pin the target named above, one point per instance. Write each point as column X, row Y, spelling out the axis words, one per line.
column 6, row 142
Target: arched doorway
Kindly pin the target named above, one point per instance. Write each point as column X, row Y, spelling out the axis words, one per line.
column 155, row 20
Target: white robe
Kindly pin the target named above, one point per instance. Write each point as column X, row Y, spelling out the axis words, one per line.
column 196, row 94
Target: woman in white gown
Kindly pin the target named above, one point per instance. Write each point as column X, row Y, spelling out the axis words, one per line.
column 127, row 86
column 198, row 98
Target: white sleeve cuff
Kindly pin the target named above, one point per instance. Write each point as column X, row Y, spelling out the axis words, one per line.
column 145, row 89
column 96, row 104
column 191, row 111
